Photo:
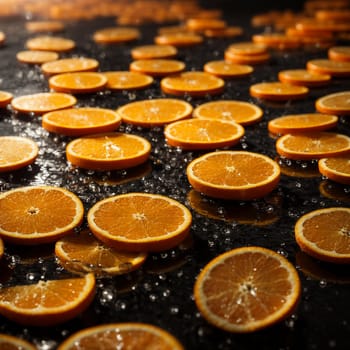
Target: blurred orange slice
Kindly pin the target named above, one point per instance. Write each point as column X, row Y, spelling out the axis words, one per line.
column 115, row 35
column 50, row 43
column 157, row 67
column 36, row 57
column 10, row 342
column 179, row 39
column 153, row 51
column 225, row 69
column 5, row 98
column 303, row 77
column 277, row 91
column 68, row 65
column 336, row 169
column 325, row 66
column 124, row 80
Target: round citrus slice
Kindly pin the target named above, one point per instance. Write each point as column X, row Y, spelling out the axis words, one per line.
column 68, row 65
column 44, row 26
column 38, row 214
column 336, row 169
column 81, row 121
column 198, row 134
column 337, row 103
column 153, row 51
column 303, row 77
column 2, row 38
column 47, row 303
column 247, row 48
column 108, row 151
column 43, row 102
column 228, row 32
column 238, row 175
column 200, row 24
column 123, row 80
column 313, row 145
column 10, row 342
column 324, row 234
column 116, row 35
column 225, row 69
column 157, row 67
column 5, row 98
column 2, row 249
column 339, row 53
column 277, row 40
column 232, row 57
column 121, row 335
column 16, row 152
column 277, row 91
column 36, row 57
column 325, row 66
column 179, row 39
column 50, row 43
column 156, row 112
column 247, row 289
column 241, row 112
column 140, row 222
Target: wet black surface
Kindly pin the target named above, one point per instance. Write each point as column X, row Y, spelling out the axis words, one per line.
column 161, row 291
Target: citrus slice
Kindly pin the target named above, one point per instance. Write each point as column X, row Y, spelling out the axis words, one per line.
column 156, row 112
column 50, row 43
column 5, row 98
column 339, row 53
column 153, row 51
column 247, row 48
column 337, row 103
column 336, row 169
column 225, row 69
column 108, row 151
column 301, row 123
column 238, row 175
column 313, row 145
column 200, row 24
column 2, row 38
column 298, row 168
column 16, row 152
column 115, row 35
column 38, row 214
column 198, row 134
column 123, row 80
column 277, row 91
column 232, row 57
column 131, row 336
column 179, row 39
column 276, row 40
column 36, row 57
column 332, row 15
column 303, row 77
column 157, row 67
column 68, row 65
column 193, row 84
column 324, row 234
column 241, row 112
column 82, row 252
column 325, row 66
column 43, row 102
column 1, row 249
column 44, row 26
column 47, row 303
column 10, row 342
column 81, row 121
column 247, row 289
column 140, row 222
column 228, row 32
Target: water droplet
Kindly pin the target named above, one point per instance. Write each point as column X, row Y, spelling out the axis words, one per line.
column 323, row 283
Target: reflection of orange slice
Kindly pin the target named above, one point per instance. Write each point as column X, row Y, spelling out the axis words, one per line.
column 124, row 80
column 67, row 65
column 333, row 190
column 36, row 57
column 297, row 168
column 277, row 91
column 157, row 67
column 303, row 77
column 225, row 69
column 5, row 98
column 325, row 66
column 115, row 35
column 336, row 169
column 50, row 43
column 153, row 51
column 336, row 103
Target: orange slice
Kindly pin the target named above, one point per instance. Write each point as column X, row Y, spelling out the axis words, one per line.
column 180, row 39
column 276, row 40
column 84, row 253
column 140, row 222
column 12, row 343
column 81, row 121
column 228, row 32
column 123, row 80
column 146, row 52
column 247, row 289
column 335, row 191
column 232, row 57
column 303, row 77
column 156, row 112
column 333, row 15
column 44, row 26
column 200, row 24
column 313, row 145
column 42, row 102
column 336, row 169
column 193, row 84
column 16, row 152
column 247, row 48
column 38, row 214
column 241, row 112
column 237, row 175
column 121, row 335
column 108, row 151
column 339, row 53
column 68, row 65
column 277, row 91
column 115, row 35
column 337, row 103
column 5, row 98
column 225, row 69
column 47, row 303
column 2, row 38
column 157, row 67
column 78, row 83
column 1, row 250
column 36, row 57
column 301, row 123
column 324, row 234
column 197, row 133
column 50, row 43
column 325, row 66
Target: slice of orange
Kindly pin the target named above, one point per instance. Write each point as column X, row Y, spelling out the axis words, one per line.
column 324, row 234
column 78, row 83
column 16, row 152
column 50, row 43
column 303, row 77
column 238, row 175
column 43, row 102
column 332, row 15
column 337, row 103
column 82, row 252
column 247, row 289
column 200, row 24
column 2, row 38
column 38, row 214
column 247, row 48
column 301, row 123
column 198, row 133
column 157, row 67
column 225, row 69
column 179, row 39
column 116, row 35
column 336, row 169
column 47, row 303
column 10, row 342
column 153, row 51
column 2, row 249
column 156, row 112
column 277, row 91
column 313, row 145
column 108, row 151
column 5, row 98
column 140, row 222
column 124, row 80
column 228, row 32
column 325, row 66
column 232, row 57
column 68, row 65
column 81, row 121
column 112, row 336
column 339, row 53
column 241, row 112
column 36, row 57
column 44, row 26
column 276, row 40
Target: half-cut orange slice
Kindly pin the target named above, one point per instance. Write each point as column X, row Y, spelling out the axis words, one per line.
column 336, row 169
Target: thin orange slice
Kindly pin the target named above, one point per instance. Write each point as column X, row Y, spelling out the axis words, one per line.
column 179, row 39
column 337, row 103
column 303, row 77
column 36, row 57
column 339, row 53
column 115, row 35
column 16, row 152
column 153, row 51
column 333, row 15
column 336, row 169
column 81, row 121
column 200, row 24
column 78, row 83
column 325, row 66
column 68, row 65
column 2, row 249
column 82, row 252
column 324, row 234
column 44, row 26
column 47, row 303
column 38, row 214
column 108, row 151
column 5, row 98
column 232, row 57
column 10, row 342
column 2, row 38
column 238, row 175
column 156, row 112
column 124, row 80
column 140, row 222
column 241, row 112
column 247, row 48
column 50, row 43
column 313, row 145
column 198, row 133
column 247, row 289
column 157, row 67
column 225, row 69
column 121, row 335
column 301, row 123
column 43, row 102
column 276, row 40
column 277, row 91
column 228, row 32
